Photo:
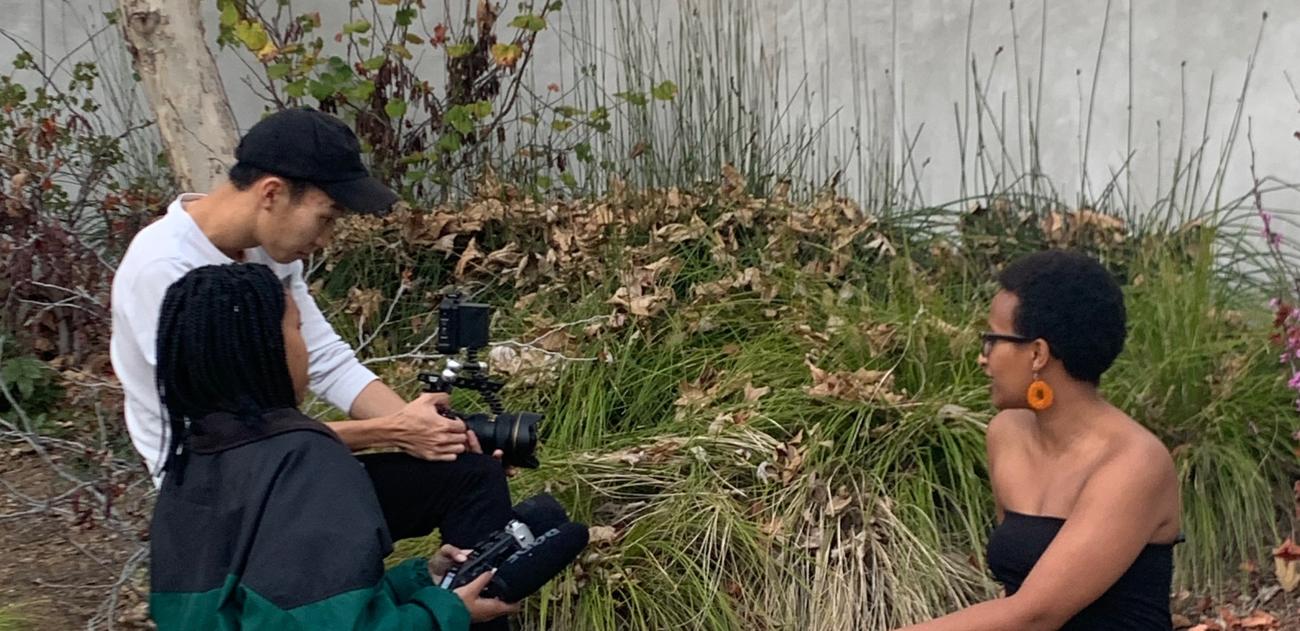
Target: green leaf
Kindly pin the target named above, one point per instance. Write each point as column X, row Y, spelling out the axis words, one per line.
column 554, row 6
column 374, row 63
column 599, row 119
column 297, row 89
column 361, row 91
column 635, row 98
column 405, row 17
column 664, row 91
column 450, row 142
column 460, row 50
column 321, row 90
column 543, row 181
column 13, row 94
column 459, row 118
column 390, row 3
column 412, row 158
column 568, row 111
column 412, row 38
column 480, row 109
column 229, row 14
column 560, row 124
column 339, row 71
column 395, row 108
column 278, row 70
column 309, row 22
column 529, row 22
column 400, row 51
column 506, row 55
column 358, row 26
column 569, row 180
column 23, row 373
column 583, row 151
column 251, row 35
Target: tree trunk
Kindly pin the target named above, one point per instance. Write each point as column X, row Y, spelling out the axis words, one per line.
column 170, row 52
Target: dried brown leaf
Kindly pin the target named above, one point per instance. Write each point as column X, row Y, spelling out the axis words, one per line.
column 753, row 394
column 467, row 257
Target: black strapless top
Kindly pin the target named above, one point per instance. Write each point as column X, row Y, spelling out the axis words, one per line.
column 1138, row 601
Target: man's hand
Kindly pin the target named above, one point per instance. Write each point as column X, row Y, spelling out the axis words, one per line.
column 483, row 609
column 421, row 431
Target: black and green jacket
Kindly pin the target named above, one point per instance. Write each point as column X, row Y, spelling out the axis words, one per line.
column 275, row 525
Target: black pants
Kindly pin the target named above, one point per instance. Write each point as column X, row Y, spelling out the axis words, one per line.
column 465, row 499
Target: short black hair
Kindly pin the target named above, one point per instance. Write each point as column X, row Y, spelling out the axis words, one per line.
column 1074, row 303
column 221, row 348
column 243, row 176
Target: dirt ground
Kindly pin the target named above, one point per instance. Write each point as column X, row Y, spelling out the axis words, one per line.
column 58, row 571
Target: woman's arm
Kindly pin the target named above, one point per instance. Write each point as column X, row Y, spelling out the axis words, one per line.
column 1110, row 525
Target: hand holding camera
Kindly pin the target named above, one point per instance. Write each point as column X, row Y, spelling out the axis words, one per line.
column 464, row 326
column 481, row 608
column 532, row 549
column 423, row 430
column 540, row 541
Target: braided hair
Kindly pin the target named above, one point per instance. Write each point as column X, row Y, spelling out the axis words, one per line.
column 221, row 349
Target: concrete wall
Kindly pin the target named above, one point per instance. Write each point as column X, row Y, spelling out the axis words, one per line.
column 1159, row 56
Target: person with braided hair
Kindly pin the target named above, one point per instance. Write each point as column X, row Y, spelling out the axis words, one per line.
column 264, row 519
column 296, row 172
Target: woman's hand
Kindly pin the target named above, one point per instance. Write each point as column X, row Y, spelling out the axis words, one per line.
column 483, row 609
column 444, row 559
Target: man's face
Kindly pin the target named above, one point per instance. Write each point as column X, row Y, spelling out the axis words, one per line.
column 290, row 230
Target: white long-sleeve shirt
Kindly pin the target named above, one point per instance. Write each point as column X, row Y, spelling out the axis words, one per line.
column 157, row 257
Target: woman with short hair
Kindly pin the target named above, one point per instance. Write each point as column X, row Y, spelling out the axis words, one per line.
column 1087, row 498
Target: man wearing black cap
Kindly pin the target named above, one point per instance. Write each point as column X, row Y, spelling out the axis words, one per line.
column 297, row 172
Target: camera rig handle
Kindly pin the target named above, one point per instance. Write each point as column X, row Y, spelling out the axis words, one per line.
column 475, row 378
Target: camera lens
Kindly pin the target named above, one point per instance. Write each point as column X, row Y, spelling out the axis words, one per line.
column 515, row 434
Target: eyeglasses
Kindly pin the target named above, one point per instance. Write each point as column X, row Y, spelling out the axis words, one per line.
column 990, row 339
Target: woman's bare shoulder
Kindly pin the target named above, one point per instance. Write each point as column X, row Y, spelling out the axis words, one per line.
column 1009, row 425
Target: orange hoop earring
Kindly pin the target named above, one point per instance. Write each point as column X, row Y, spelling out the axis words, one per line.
column 1040, row 394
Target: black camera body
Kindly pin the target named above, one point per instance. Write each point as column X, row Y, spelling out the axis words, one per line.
column 464, row 326
column 535, row 546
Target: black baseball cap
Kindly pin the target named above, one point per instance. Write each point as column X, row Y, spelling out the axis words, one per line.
column 312, row 146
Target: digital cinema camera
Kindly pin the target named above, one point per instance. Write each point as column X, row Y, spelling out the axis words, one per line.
column 534, row 547
column 540, row 541
column 464, row 325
